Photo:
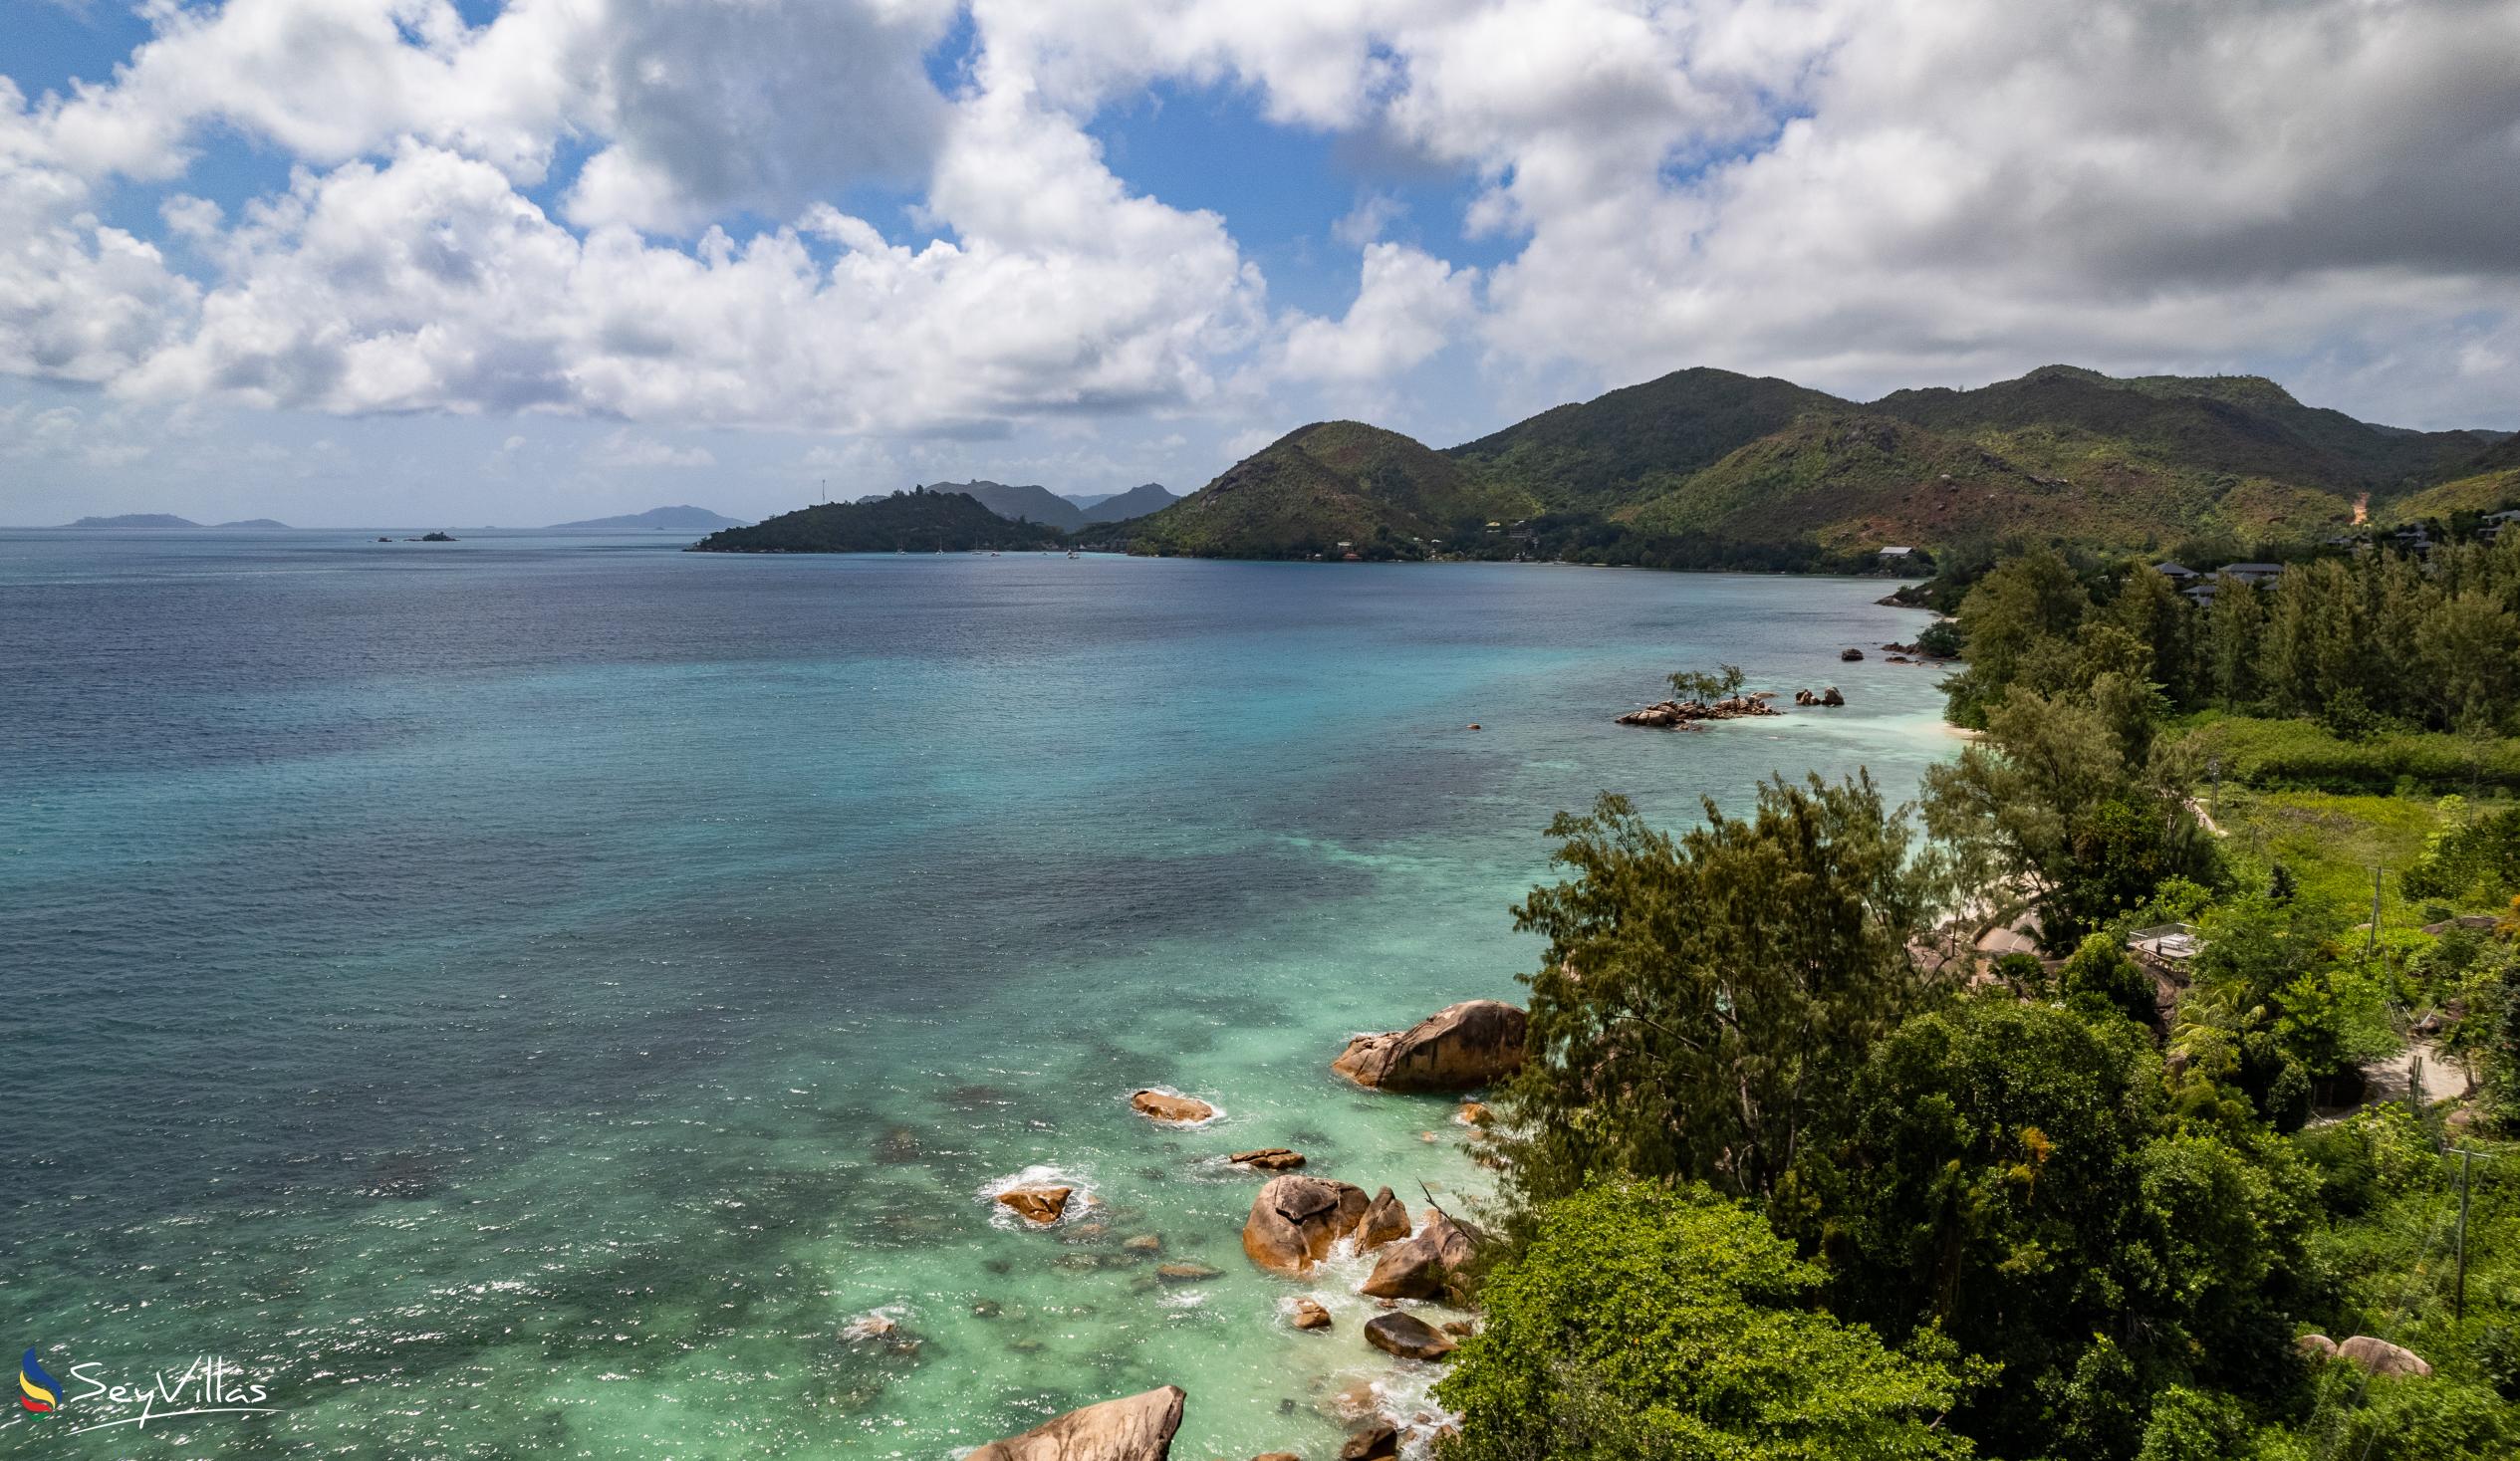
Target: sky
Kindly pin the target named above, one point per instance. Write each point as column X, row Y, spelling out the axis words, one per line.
column 370, row 262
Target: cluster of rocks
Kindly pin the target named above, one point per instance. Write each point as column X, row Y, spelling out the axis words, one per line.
column 1826, row 697
column 1686, row 714
column 1294, row 1222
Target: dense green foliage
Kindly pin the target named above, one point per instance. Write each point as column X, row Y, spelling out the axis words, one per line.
column 2302, row 753
column 906, row 522
column 1661, row 1324
column 2368, row 646
column 2473, row 859
column 1724, row 984
column 2102, row 1193
column 2011, row 1179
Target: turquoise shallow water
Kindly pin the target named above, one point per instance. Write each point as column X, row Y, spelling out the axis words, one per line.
column 529, row 995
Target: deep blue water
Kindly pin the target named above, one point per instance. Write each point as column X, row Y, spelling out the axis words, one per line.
column 530, row 993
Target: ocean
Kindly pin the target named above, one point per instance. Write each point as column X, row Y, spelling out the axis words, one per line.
column 529, row 995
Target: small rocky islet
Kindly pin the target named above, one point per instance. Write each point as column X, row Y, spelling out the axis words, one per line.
column 1297, row 1220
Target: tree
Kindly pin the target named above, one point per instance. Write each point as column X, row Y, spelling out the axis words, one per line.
column 2233, row 629
column 2048, row 802
column 2011, row 621
column 1701, row 686
column 1649, row 1322
column 2101, row 979
column 2009, row 1180
column 1703, row 997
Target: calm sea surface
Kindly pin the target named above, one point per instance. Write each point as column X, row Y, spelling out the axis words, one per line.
column 529, row 995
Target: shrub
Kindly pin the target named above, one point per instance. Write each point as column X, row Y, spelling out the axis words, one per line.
column 1652, row 1322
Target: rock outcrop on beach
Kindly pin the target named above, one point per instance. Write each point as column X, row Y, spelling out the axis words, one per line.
column 1407, row 1336
column 1295, row 1220
column 1417, row 1267
column 1164, row 1106
column 1041, row 1205
column 1460, row 1048
column 1309, row 1315
column 1686, row 714
column 1138, row 1428
column 1829, row 696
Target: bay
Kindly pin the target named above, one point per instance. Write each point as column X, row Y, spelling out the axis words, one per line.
column 529, row 995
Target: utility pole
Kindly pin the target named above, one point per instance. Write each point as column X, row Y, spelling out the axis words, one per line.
column 2458, row 1305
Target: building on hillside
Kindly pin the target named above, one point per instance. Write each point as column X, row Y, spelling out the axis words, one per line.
column 2176, row 572
column 2253, row 572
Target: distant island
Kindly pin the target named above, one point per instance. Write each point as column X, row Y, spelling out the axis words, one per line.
column 917, row 521
column 164, row 520
column 1711, row 469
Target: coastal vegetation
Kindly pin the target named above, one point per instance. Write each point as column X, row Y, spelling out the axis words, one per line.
column 2173, row 1188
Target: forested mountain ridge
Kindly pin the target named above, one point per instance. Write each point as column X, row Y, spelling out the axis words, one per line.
column 1705, row 466
column 1639, row 440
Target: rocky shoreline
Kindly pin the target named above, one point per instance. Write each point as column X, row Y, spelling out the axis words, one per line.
column 1692, row 714
column 1297, row 1224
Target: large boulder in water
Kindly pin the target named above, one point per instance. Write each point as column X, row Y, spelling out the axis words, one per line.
column 1041, row 1205
column 1166, row 1105
column 1294, row 1220
column 1407, row 1336
column 1468, row 1045
column 1386, row 1221
column 1139, row 1428
column 1417, row 1266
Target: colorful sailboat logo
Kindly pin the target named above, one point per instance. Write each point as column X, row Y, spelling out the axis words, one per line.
column 37, row 1392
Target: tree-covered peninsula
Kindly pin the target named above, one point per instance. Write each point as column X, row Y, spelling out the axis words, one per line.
column 916, row 521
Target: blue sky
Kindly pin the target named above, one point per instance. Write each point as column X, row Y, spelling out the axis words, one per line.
column 412, row 261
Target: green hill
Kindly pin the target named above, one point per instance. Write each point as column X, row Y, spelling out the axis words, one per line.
column 1849, row 477
column 1630, row 444
column 1333, row 482
column 2198, row 427
column 917, row 521
column 2486, row 482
